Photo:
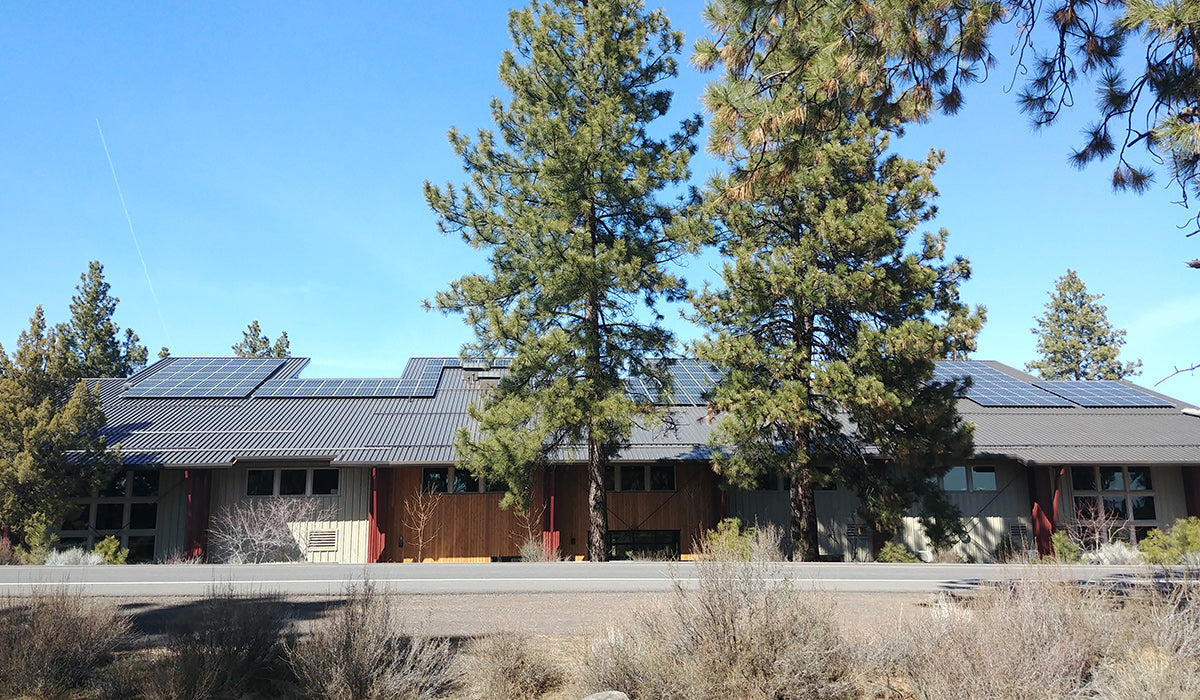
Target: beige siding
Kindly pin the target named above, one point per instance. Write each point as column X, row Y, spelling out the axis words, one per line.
column 351, row 504
column 171, row 533
column 1170, row 503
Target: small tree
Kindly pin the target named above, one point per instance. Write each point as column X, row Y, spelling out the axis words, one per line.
column 255, row 343
column 92, row 339
column 50, row 442
column 1075, row 339
column 260, row 530
column 419, row 511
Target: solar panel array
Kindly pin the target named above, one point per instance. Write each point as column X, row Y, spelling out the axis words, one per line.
column 1100, row 394
column 991, row 387
column 420, row 380
column 691, row 381
column 206, row 377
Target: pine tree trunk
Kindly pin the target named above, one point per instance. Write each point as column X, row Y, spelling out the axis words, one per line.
column 597, row 505
column 804, row 516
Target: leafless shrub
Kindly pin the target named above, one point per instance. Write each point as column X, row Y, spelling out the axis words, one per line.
column 360, row 653
column 74, row 556
column 508, row 666
column 8, row 555
column 55, row 643
column 534, row 549
column 1095, row 529
column 419, row 511
column 259, row 530
column 1147, row 673
column 770, row 543
column 1113, row 554
column 1029, row 639
column 744, row 632
column 226, row 646
column 177, row 557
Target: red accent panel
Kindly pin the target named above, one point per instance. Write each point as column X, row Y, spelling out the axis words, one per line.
column 376, row 521
column 199, row 499
column 1043, row 491
column 1191, row 489
column 550, row 541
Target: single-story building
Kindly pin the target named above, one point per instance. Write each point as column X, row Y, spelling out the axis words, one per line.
column 200, row 435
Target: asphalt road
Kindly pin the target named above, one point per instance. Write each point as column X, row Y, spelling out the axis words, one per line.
column 547, row 578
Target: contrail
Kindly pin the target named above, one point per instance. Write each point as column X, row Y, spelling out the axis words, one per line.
column 136, row 245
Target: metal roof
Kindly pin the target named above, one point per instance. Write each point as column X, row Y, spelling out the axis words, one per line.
column 214, row 432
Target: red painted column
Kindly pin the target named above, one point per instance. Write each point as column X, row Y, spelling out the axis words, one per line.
column 1191, row 489
column 551, row 538
column 199, row 498
column 1043, row 492
column 376, row 518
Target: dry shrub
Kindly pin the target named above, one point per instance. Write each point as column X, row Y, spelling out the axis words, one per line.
column 259, row 530
column 744, row 632
column 8, row 555
column 55, row 643
column 533, row 549
column 1027, row 639
column 225, row 646
column 509, row 666
column 1147, row 673
column 360, row 653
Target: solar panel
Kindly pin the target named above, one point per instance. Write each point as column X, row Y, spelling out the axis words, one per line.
column 991, row 387
column 1103, row 394
column 208, row 377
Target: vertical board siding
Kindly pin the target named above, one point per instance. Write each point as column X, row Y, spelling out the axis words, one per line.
column 473, row 526
column 170, row 537
column 351, row 504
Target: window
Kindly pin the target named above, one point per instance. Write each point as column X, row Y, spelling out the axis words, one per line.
column 292, row 481
column 1122, row 495
column 453, row 480
column 961, row 479
column 626, row 544
column 641, row 477
column 125, row 507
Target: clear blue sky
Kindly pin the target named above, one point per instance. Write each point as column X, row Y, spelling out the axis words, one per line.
column 272, row 155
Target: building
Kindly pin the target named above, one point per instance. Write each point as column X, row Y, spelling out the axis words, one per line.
column 199, row 435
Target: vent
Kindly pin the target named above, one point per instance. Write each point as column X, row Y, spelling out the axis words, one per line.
column 322, row 541
column 1018, row 533
column 857, row 530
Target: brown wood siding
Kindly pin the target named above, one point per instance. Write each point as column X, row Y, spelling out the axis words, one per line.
column 473, row 526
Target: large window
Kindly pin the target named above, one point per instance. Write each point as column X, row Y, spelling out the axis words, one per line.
column 125, row 507
column 963, row 479
column 292, row 482
column 452, row 480
column 1120, row 496
column 640, row 477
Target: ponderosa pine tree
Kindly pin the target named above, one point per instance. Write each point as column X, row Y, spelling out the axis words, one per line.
column 565, row 198
column 50, row 442
column 828, row 328
column 93, row 340
column 903, row 59
column 1075, row 339
column 255, row 343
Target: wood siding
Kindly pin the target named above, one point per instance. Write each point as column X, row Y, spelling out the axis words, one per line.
column 472, row 526
column 351, row 505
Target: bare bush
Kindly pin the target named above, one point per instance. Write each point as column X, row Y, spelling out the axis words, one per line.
column 8, row 555
column 259, row 530
column 1113, row 554
column 73, row 557
column 56, row 643
column 1029, row 639
column 534, row 549
column 1147, row 673
column 360, row 653
column 770, row 543
column 744, row 632
column 508, row 666
column 419, row 511
column 225, row 646
column 1096, row 528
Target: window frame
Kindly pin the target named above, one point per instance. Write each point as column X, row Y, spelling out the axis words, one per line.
column 475, row 485
column 131, row 494
column 613, row 480
column 969, row 478
column 1099, row 496
column 277, row 481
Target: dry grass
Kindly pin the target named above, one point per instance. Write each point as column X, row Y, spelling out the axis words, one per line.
column 509, row 665
column 743, row 633
column 56, row 643
column 225, row 646
column 361, row 653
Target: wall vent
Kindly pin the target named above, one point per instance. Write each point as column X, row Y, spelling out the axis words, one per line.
column 322, row 541
column 1019, row 533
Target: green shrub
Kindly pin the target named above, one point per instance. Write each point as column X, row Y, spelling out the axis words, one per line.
column 896, row 553
column 1173, row 546
column 39, row 540
column 110, row 548
column 729, row 542
column 1065, row 550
